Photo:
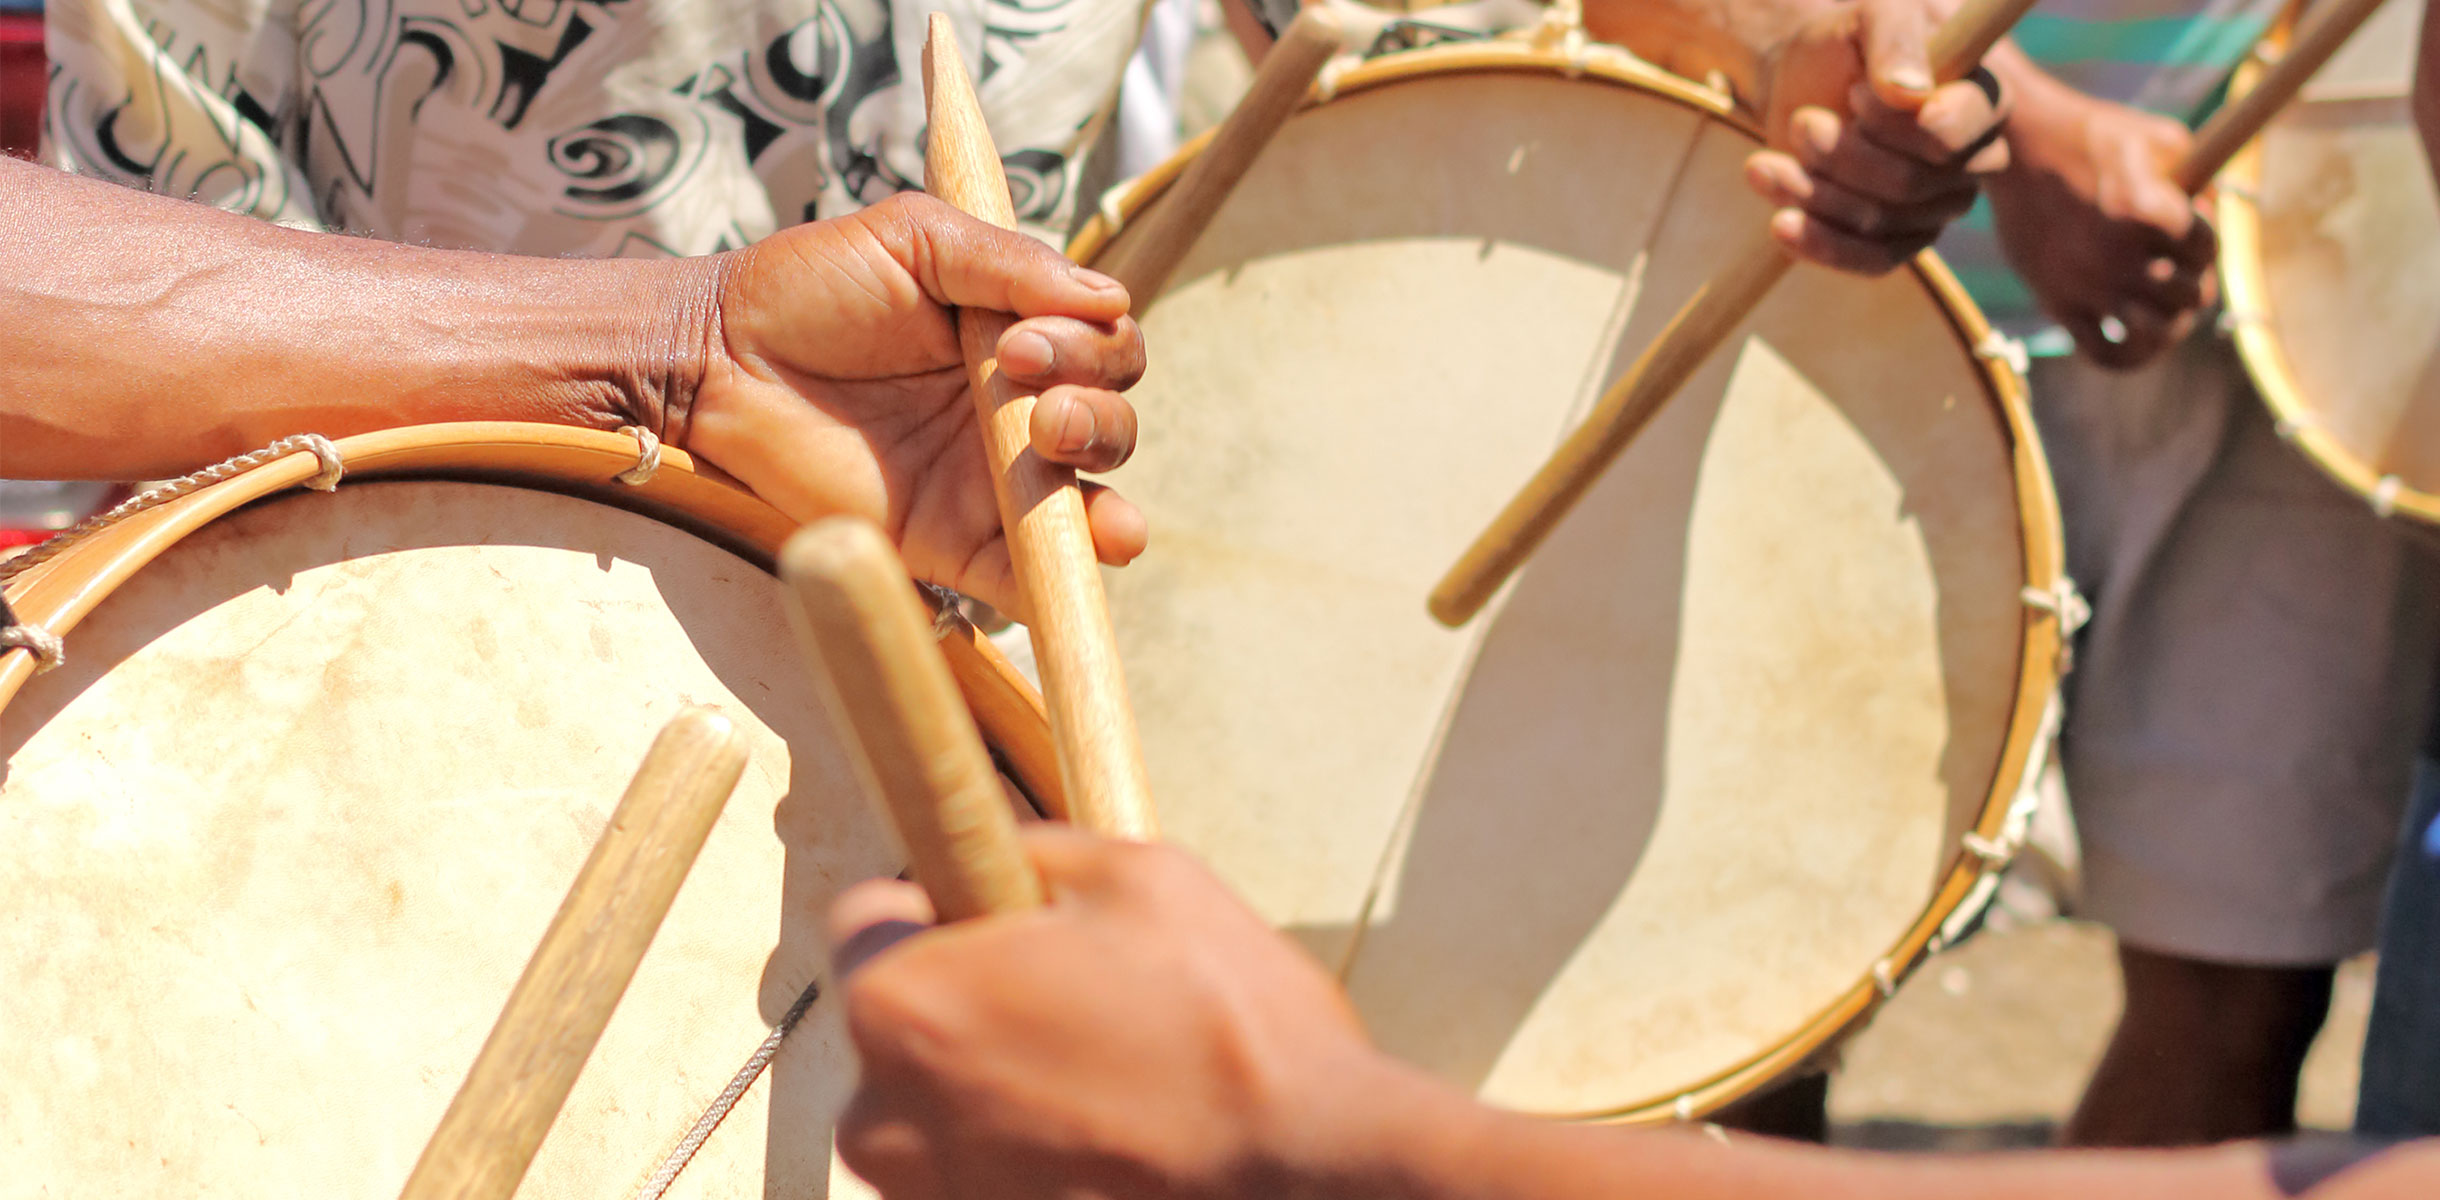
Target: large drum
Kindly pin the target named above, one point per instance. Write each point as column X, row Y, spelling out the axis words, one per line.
column 284, row 828
column 2330, row 256
column 1714, row 774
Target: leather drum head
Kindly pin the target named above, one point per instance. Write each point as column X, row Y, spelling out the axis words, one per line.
column 1644, row 831
column 286, row 826
column 2330, row 257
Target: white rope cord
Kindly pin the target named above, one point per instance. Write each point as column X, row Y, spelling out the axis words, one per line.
column 314, row 443
column 657, row 1184
column 48, row 650
column 647, row 455
column 2385, row 495
column 1999, row 347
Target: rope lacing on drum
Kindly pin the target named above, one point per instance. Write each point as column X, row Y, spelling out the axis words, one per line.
column 1885, row 978
column 2234, row 320
column 48, row 648
column 657, row 1184
column 1562, row 30
column 325, row 480
column 647, row 455
column 2065, row 604
column 1999, row 347
column 2385, row 495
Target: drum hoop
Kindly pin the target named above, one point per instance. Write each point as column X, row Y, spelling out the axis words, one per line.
column 584, row 463
column 2252, row 317
column 1963, row 885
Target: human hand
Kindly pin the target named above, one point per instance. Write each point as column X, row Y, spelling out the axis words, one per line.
column 1144, row 1034
column 833, row 381
column 1870, row 160
column 2093, row 219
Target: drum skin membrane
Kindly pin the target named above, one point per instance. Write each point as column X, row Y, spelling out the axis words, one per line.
column 1711, row 755
column 287, row 825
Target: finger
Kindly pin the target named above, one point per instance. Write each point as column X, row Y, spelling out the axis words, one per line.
column 886, row 1148
column 962, row 261
column 1085, row 428
column 2170, row 286
column 1817, row 241
column 871, row 917
column 1119, row 530
column 2199, row 250
column 1079, row 866
column 1048, row 350
column 1897, row 57
column 1953, row 129
column 1835, row 150
column 2134, row 187
column 1908, row 227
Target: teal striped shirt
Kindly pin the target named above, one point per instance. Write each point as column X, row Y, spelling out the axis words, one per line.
column 2168, row 56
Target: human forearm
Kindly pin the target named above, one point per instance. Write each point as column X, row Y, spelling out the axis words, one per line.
column 1426, row 1142
column 141, row 336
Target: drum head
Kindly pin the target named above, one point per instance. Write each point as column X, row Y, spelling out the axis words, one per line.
column 2331, row 256
column 1651, row 823
column 287, row 825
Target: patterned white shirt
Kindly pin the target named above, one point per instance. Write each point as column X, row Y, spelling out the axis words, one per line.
column 565, row 127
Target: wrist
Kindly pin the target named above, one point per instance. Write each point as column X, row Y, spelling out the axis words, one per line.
column 1376, row 1129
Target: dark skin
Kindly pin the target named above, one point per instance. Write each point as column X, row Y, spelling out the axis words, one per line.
column 820, row 366
column 1145, row 1035
column 2093, row 221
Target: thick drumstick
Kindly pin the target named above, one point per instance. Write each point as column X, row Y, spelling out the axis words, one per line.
column 1706, row 320
column 872, row 645
column 1100, row 762
column 1145, row 261
column 2326, row 27
column 583, row 965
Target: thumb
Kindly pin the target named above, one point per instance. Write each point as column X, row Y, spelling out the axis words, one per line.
column 1897, row 54
column 969, row 263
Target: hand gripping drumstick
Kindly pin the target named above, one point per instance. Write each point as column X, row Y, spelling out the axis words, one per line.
column 1145, row 261
column 583, row 965
column 873, row 647
column 1715, row 311
column 1100, row 763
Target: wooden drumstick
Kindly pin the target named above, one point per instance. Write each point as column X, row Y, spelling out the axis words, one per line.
column 2325, row 28
column 1707, row 319
column 1144, row 262
column 586, row 958
column 1100, row 763
column 872, row 646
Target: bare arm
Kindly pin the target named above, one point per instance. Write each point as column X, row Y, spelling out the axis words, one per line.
column 142, row 336
column 147, row 336
column 1146, row 1035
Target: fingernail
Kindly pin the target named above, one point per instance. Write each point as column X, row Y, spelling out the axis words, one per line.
column 1031, row 351
column 1095, row 280
column 1912, row 79
column 1787, row 224
column 1079, row 431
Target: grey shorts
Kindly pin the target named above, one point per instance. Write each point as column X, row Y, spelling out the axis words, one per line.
column 2249, row 696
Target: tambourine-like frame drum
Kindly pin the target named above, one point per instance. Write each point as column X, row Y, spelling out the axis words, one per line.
column 2330, row 261
column 1743, row 743
column 316, row 770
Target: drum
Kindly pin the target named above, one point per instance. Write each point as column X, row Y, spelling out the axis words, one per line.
column 2330, row 258
column 1719, row 767
column 317, row 770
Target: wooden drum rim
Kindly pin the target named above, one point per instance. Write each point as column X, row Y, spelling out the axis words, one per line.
column 57, row 594
column 2038, row 662
column 2252, row 314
